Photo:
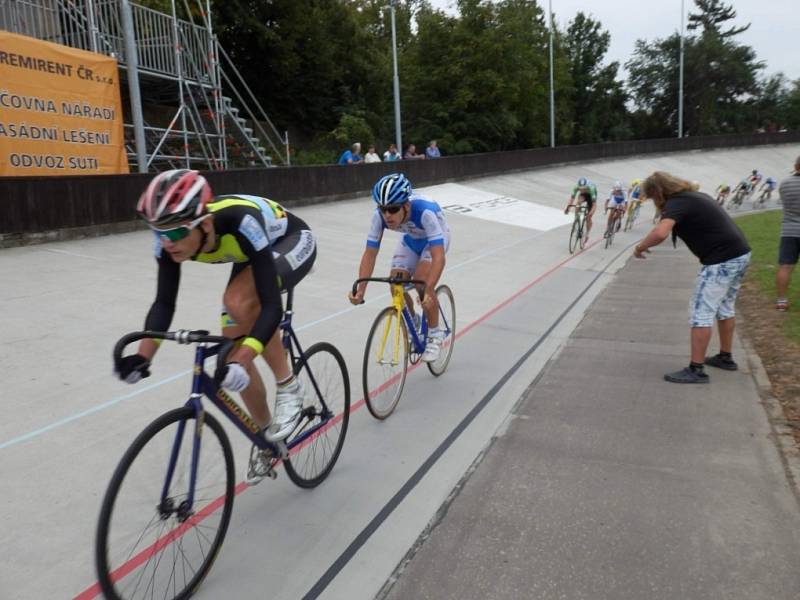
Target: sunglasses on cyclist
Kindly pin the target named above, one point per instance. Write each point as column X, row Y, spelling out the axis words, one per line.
column 392, row 209
column 176, row 234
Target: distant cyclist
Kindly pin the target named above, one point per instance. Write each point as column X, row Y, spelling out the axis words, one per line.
column 419, row 254
column 584, row 191
column 768, row 187
column 635, row 192
column 616, row 203
column 635, row 197
column 723, row 191
column 270, row 248
column 753, row 180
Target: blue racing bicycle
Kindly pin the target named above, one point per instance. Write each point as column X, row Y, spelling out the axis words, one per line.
column 169, row 502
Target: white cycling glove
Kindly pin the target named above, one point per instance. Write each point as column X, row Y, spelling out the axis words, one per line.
column 236, row 378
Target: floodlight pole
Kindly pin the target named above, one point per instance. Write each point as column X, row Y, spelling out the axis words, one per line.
column 552, row 84
column 396, row 81
column 680, row 78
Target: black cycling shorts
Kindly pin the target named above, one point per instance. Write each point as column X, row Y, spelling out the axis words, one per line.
column 588, row 199
column 294, row 254
column 789, row 251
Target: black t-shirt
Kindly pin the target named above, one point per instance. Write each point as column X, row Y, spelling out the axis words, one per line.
column 705, row 227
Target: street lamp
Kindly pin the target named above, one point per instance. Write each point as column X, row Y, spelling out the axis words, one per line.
column 398, row 135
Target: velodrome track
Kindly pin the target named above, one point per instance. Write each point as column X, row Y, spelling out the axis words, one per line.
column 67, row 421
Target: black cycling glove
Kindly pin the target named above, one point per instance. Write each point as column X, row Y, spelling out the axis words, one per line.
column 133, row 368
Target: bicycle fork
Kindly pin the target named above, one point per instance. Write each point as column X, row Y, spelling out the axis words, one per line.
column 167, row 504
column 397, row 304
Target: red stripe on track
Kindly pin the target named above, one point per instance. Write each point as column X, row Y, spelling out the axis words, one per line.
column 126, row 568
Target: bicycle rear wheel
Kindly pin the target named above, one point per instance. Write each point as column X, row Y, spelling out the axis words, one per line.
column 385, row 363
column 148, row 547
column 317, row 441
column 447, row 324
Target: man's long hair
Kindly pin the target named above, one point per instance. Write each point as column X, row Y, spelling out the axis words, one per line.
column 661, row 186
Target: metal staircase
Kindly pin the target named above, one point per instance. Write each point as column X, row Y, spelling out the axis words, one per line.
column 201, row 113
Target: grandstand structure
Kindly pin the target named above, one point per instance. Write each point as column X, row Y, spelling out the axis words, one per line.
column 186, row 104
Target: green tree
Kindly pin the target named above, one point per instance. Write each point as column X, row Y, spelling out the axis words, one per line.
column 653, row 86
column 769, row 109
column 595, row 97
column 478, row 82
column 792, row 107
column 303, row 58
column 720, row 76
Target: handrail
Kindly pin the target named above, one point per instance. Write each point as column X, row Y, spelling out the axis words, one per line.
column 224, row 54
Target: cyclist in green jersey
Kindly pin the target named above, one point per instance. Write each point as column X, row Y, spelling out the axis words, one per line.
column 584, row 191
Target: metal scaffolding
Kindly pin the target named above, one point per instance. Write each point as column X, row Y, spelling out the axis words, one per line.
column 216, row 121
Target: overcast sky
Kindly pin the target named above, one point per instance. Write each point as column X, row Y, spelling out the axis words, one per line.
column 774, row 32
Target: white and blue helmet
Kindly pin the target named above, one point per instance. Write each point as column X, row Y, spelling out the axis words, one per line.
column 394, row 188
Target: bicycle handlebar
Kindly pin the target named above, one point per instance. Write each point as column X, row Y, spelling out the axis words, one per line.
column 182, row 336
column 390, row 280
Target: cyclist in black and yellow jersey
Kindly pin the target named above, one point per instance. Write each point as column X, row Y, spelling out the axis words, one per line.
column 271, row 250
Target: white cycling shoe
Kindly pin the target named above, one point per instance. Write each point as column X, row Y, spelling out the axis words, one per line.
column 288, row 408
column 433, row 347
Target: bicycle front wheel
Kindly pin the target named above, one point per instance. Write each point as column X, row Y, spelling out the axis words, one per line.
column 150, row 542
column 628, row 221
column 447, row 324
column 610, row 234
column 316, row 443
column 385, row 363
column 574, row 236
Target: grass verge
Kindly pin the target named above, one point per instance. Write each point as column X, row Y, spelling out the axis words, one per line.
column 763, row 233
column 775, row 335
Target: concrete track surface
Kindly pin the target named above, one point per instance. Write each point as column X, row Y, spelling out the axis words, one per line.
column 67, row 422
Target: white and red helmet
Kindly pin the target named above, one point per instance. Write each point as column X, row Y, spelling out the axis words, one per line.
column 174, row 196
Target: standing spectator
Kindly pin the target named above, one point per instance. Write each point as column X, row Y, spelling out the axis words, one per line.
column 432, row 151
column 723, row 251
column 411, row 153
column 371, row 156
column 790, row 235
column 352, row 156
column 391, row 154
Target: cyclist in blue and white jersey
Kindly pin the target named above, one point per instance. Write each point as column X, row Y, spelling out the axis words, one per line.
column 769, row 186
column 419, row 254
column 617, row 203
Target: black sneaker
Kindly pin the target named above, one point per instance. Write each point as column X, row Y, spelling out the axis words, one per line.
column 686, row 375
column 722, row 362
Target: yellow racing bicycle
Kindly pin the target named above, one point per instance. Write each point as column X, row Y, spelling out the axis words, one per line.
column 397, row 338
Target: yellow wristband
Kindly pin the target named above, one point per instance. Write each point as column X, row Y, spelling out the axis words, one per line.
column 253, row 343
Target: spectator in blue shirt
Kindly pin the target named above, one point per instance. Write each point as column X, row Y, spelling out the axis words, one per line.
column 432, row 151
column 352, row 156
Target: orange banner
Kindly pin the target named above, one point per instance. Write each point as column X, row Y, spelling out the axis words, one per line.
column 60, row 110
